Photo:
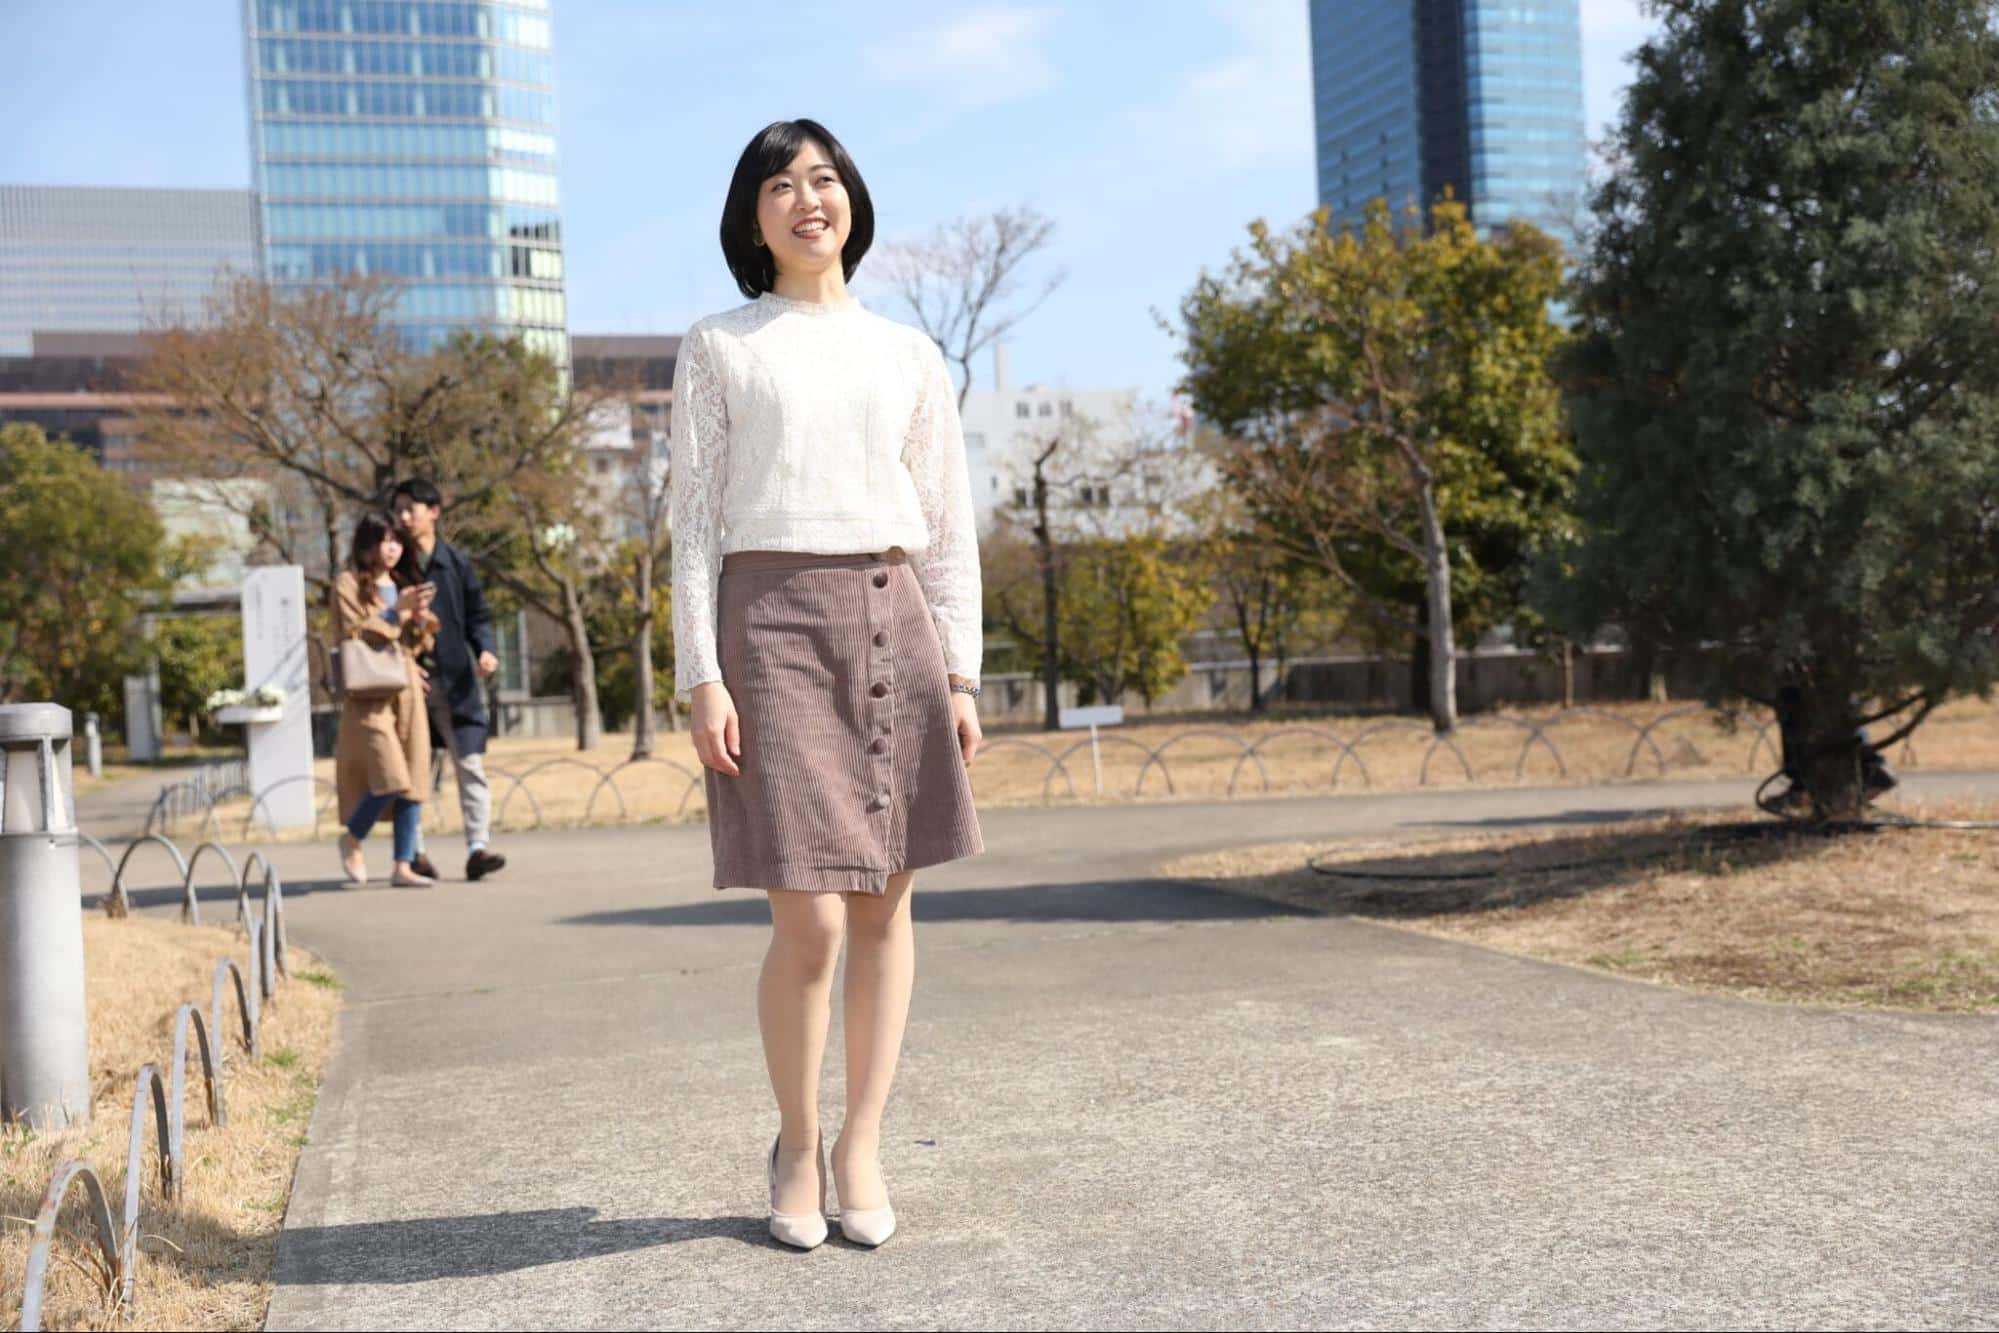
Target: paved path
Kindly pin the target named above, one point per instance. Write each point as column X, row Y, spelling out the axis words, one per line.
column 117, row 811
column 1124, row 1103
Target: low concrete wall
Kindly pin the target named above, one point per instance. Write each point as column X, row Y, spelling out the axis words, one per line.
column 1485, row 680
column 553, row 715
column 1365, row 684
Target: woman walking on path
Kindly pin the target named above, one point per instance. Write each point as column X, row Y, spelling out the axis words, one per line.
column 826, row 629
column 381, row 756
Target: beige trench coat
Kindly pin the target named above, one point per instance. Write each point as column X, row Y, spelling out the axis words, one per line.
column 383, row 745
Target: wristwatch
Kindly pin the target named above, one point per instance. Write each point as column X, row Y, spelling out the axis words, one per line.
column 962, row 688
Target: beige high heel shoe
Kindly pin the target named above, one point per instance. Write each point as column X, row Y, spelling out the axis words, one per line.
column 805, row 1231
column 865, row 1226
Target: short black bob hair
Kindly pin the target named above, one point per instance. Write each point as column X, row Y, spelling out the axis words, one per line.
column 770, row 151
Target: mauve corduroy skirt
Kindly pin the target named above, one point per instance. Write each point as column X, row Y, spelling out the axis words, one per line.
column 850, row 763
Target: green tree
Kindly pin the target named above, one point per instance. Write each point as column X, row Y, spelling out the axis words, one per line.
column 1389, row 412
column 613, row 620
column 1272, row 601
column 80, row 557
column 645, row 503
column 1127, row 604
column 1787, row 383
column 198, row 655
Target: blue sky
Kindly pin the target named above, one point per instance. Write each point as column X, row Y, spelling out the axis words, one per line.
column 1152, row 135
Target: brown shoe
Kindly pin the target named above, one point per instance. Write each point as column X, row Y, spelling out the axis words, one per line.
column 483, row 863
column 421, row 864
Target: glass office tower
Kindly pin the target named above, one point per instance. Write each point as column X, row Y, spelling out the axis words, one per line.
column 113, row 259
column 413, row 138
column 1484, row 97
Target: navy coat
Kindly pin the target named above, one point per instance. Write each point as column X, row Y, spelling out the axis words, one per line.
column 465, row 630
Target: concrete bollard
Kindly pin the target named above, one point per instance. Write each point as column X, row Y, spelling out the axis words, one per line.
column 93, row 745
column 44, row 1043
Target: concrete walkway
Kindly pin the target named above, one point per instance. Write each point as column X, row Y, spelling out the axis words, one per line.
column 1124, row 1103
column 116, row 812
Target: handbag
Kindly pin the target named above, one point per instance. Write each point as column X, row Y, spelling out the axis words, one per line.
column 370, row 672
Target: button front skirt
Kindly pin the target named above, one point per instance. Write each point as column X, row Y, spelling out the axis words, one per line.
column 851, row 770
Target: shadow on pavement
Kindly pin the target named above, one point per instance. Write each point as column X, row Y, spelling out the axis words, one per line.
column 1106, row 901
column 145, row 899
column 1543, row 821
column 427, row 1248
column 1417, row 881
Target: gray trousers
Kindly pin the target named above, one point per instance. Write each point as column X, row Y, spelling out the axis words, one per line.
column 475, row 794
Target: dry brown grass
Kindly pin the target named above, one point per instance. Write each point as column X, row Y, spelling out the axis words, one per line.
column 205, row 1262
column 1904, row 918
column 82, row 784
column 1384, row 754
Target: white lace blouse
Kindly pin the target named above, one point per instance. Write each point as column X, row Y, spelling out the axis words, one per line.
column 808, row 426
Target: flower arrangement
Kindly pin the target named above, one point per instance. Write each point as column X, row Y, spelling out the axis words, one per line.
column 264, row 696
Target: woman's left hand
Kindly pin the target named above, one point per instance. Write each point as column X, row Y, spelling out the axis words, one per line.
column 965, row 718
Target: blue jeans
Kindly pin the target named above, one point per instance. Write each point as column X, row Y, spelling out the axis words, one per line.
column 409, row 815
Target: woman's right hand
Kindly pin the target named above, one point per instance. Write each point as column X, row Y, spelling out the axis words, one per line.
column 414, row 599
column 716, row 737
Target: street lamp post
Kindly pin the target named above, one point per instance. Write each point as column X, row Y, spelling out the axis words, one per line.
column 44, row 1045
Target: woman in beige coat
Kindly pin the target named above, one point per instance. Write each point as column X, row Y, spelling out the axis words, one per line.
column 382, row 754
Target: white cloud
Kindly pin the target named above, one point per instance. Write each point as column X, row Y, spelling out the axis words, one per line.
column 1251, row 107
column 1612, row 30
column 978, row 58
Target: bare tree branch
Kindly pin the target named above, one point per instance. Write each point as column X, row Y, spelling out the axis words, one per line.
column 963, row 283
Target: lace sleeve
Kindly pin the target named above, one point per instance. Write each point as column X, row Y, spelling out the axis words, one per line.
column 699, row 458
column 948, row 566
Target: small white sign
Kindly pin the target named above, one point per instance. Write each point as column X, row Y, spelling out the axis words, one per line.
column 1103, row 715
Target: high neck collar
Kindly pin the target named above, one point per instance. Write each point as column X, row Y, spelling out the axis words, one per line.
column 840, row 307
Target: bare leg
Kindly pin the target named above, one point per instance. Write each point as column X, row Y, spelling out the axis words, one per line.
column 794, row 1004
column 881, row 966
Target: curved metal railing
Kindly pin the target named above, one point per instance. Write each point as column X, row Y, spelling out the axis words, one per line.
column 1541, row 741
column 118, row 1244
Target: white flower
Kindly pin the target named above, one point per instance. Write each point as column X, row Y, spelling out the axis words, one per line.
column 264, row 696
column 556, row 536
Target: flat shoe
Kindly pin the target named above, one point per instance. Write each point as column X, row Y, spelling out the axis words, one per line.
column 353, row 876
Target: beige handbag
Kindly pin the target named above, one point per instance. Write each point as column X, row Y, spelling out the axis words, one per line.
column 369, row 672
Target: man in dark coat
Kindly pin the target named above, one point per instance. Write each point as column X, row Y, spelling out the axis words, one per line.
column 466, row 654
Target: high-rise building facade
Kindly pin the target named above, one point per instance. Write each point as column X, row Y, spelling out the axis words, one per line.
column 1483, row 97
column 91, row 259
column 413, row 139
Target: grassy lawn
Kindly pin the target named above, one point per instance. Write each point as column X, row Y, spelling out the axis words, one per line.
column 205, row 1263
column 1895, row 918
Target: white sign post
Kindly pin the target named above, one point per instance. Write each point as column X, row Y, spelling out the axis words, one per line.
column 1104, row 715
column 274, row 653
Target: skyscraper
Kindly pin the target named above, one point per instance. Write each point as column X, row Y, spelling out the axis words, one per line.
column 109, row 259
column 1482, row 96
column 416, row 139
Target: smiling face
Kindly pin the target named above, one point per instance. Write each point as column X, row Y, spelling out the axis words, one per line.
column 803, row 213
